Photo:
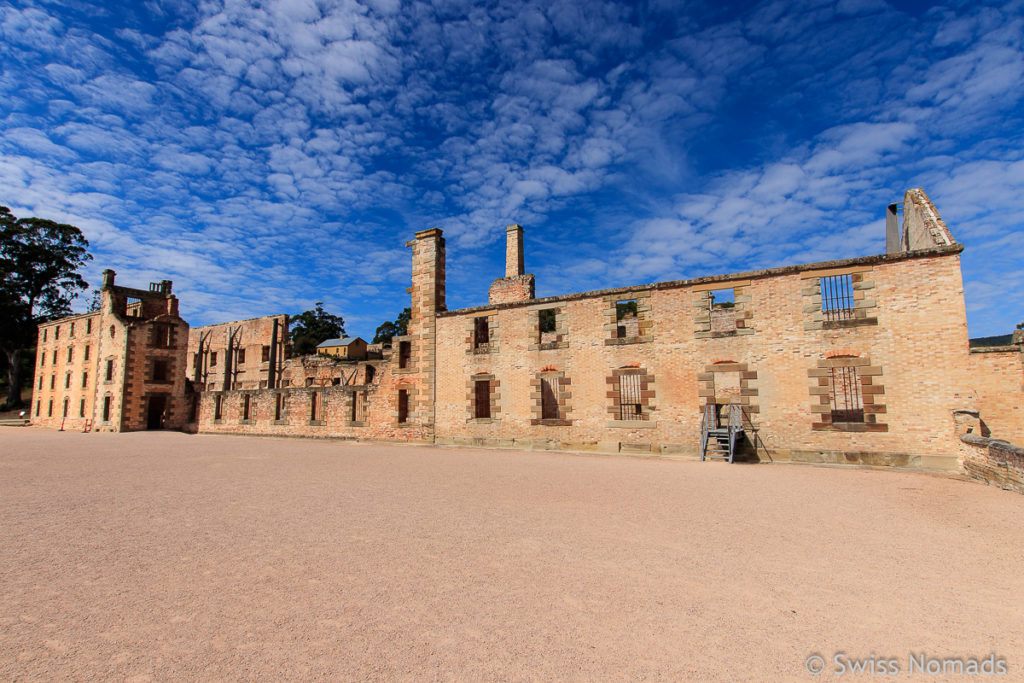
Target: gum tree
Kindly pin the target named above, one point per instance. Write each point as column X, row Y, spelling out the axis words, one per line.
column 39, row 263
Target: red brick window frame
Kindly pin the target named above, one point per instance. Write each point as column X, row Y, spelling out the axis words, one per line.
column 631, row 398
column 551, row 391
column 847, row 394
column 482, row 398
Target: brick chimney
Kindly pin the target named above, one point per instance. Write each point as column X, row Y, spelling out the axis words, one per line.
column 517, row 285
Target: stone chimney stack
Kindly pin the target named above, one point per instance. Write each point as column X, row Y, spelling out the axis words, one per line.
column 108, row 278
column 517, row 285
column 514, row 264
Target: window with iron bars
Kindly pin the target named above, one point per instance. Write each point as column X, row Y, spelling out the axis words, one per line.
column 630, row 401
column 845, row 395
column 837, row 297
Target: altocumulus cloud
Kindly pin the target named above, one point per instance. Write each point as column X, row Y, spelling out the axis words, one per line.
column 268, row 155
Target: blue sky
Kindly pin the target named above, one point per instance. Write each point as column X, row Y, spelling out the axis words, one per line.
column 268, row 155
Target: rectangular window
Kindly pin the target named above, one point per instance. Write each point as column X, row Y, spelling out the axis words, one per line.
column 133, row 307
column 548, row 399
column 53, row 382
column 64, row 412
column 481, row 334
column 626, row 321
column 159, row 370
column 246, row 405
column 54, row 356
column 67, row 381
column 49, row 410
column 110, row 371
column 404, row 353
column 266, row 354
column 38, row 405
column 106, row 409
column 845, row 395
column 40, row 381
column 81, row 408
column 837, row 297
column 630, row 401
column 71, row 353
column 86, row 352
column 72, row 329
column 240, row 357
column 278, row 406
column 483, row 398
column 547, row 328
column 314, row 406
column 42, row 359
column 218, row 405
column 162, row 334
column 44, row 335
column 88, row 326
column 56, row 332
column 85, row 379
column 403, row 406
column 213, row 359
column 354, row 410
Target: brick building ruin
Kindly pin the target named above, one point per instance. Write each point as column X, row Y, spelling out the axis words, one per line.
column 862, row 360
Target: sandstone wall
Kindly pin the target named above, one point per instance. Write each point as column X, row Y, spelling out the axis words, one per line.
column 996, row 380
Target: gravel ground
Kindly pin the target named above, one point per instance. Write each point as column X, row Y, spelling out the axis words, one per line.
column 168, row 556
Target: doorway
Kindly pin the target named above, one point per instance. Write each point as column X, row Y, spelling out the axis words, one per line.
column 155, row 413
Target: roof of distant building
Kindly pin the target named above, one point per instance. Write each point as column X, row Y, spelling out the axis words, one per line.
column 337, row 342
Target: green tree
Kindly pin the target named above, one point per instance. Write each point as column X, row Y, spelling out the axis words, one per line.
column 393, row 328
column 313, row 327
column 39, row 263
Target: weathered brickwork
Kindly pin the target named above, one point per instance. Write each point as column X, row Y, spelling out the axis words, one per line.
column 996, row 382
column 123, row 367
column 239, row 354
column 860, row 361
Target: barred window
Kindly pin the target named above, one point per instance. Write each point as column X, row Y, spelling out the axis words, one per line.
column 483, row 398
column 845, row 395
column 837, row 297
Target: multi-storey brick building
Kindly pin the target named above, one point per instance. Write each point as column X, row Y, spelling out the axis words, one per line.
column 862, row 360
column 119, row 368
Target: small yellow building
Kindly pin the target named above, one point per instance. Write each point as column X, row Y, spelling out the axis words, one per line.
column 349, row 348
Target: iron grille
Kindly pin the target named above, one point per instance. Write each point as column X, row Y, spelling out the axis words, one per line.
column 629, row 398
column 847, row 405
column 837, row 297
column 483, row 399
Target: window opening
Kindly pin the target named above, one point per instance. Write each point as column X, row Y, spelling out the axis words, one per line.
column 845, row 394
column 481, row 334
column 630, row 400
column 837, row 297
column 106, row 409
column 246, row 405
column 159, row 370
column 483, row 398
column 404, row 353
column 626, row 322
column 548, row 399
column 403, row 406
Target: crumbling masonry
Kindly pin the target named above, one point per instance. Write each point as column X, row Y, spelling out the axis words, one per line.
column 862, row 361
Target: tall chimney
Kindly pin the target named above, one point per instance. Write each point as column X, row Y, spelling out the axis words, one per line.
column 514, row 265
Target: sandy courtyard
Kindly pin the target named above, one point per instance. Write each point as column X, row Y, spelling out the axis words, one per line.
column 167, row 556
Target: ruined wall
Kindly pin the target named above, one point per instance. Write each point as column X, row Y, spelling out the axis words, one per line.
column 117, row 365
column 996, row 381
column 906, row 336
column 350, row 403
column 923, row 228
column 251, row 367
column 59, row 381
column 317, row 394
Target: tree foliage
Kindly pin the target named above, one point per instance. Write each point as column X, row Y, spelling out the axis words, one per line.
column 393, row 328
column 313, row 327
column 39, row 263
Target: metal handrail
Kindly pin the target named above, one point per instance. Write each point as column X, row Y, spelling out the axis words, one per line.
column 704, row 429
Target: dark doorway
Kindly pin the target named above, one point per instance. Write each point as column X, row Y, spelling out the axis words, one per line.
column 155, row 413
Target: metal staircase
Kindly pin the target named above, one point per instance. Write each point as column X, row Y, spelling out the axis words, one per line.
column 716, row 440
